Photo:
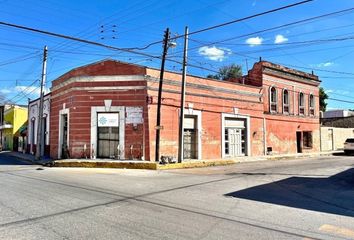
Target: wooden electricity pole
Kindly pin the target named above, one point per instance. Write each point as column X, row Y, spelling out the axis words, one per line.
column 158, row 117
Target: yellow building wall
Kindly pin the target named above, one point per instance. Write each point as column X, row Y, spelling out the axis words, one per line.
column 17, row 117
column 20, row 118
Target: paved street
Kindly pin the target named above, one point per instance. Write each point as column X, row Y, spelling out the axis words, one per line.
column 290, row 199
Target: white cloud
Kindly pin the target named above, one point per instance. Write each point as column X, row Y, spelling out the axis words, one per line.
column 28, row 90
column 325, row 64
column 5, row 91
column 337, row 91
column 280, row 39
column 254, row 3
column 254, row 41
column 213, row 53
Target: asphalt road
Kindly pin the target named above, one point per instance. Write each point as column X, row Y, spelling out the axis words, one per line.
column 291, row 199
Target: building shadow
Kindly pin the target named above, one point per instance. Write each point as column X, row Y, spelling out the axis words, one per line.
column 6, row 158
column 333, row 195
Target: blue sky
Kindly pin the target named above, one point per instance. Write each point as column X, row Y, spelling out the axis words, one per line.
column 324, row 45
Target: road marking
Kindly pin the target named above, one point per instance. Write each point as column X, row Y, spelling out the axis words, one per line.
column 337, row 230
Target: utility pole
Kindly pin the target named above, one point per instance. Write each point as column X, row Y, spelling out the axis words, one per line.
column 158, row 117
column 183, row 94
column 40, row 108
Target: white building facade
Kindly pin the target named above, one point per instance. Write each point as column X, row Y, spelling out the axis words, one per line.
column 33, row 112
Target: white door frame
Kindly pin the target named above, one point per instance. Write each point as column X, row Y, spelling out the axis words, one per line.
column 198, row 115
column 60, row 140
column 247, row 128
column 97, row 109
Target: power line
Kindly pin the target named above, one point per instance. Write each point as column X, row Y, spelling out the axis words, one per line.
column 232, row 22
column 246, row 18
column 315, row 41
column 341, row 100
column 130, row 50
column 278, row 27
column 20, row 59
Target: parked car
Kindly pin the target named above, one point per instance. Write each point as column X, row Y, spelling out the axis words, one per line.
column 349, row 146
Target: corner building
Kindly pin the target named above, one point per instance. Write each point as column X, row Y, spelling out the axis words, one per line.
column 108, row 110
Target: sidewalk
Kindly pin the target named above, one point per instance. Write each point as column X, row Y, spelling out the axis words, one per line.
column 139, row 164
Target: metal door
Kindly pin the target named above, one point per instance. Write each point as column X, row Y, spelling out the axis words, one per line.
column 299, row 142
column 108, row 141
column 64, row 147
column 189, row 144
column 235, row 142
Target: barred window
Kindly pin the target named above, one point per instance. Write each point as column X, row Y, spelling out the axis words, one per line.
column 286, row 101
column 301, row 104
column 312, row 105
column 273, row 99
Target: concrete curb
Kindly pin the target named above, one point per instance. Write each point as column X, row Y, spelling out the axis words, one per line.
column 196, row 164
column 140, row 165
column 109, row 164
column 299, row 156
column 188, row 164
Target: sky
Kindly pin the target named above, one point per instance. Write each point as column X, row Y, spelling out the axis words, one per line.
column 322, row 44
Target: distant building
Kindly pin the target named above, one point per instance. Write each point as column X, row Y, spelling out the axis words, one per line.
column 13, row 127
column 108, row 110
column 337, row 113
column 33, row 108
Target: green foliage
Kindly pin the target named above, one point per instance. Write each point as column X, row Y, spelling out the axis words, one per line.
column 323, row 98
column 228, row 72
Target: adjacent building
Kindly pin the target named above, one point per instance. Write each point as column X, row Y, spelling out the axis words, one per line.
column 33, row 113
column 13, row 125
column 339, row 113
column 108, row 110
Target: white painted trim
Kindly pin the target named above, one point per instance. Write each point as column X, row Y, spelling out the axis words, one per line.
column 93, row 142
column 289, row 83
column 60, row 140
column 107, row 78
column 96, row 89
column 198, row 114
column 248, row 127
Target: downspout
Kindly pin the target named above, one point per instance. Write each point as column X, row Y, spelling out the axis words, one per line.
column 264, row 137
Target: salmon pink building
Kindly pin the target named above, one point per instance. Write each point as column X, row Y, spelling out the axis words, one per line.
column 108, row 110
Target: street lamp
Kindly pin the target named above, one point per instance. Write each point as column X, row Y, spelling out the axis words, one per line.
column 166, row 45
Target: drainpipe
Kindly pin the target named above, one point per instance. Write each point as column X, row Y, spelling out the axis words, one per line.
column 294, row 99
column 264, row 136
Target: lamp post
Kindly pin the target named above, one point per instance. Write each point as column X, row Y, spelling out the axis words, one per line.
column 166, row 45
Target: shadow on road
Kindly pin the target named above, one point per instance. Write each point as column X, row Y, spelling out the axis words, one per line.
column 7, row 159
column 329, row 195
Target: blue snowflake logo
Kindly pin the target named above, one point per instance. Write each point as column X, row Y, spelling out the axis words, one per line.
column 103, row 120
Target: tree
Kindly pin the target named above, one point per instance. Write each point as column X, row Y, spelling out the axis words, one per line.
column 228, row 72
column 323, row 97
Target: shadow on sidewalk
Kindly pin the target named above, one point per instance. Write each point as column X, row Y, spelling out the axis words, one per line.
column 333, row 195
